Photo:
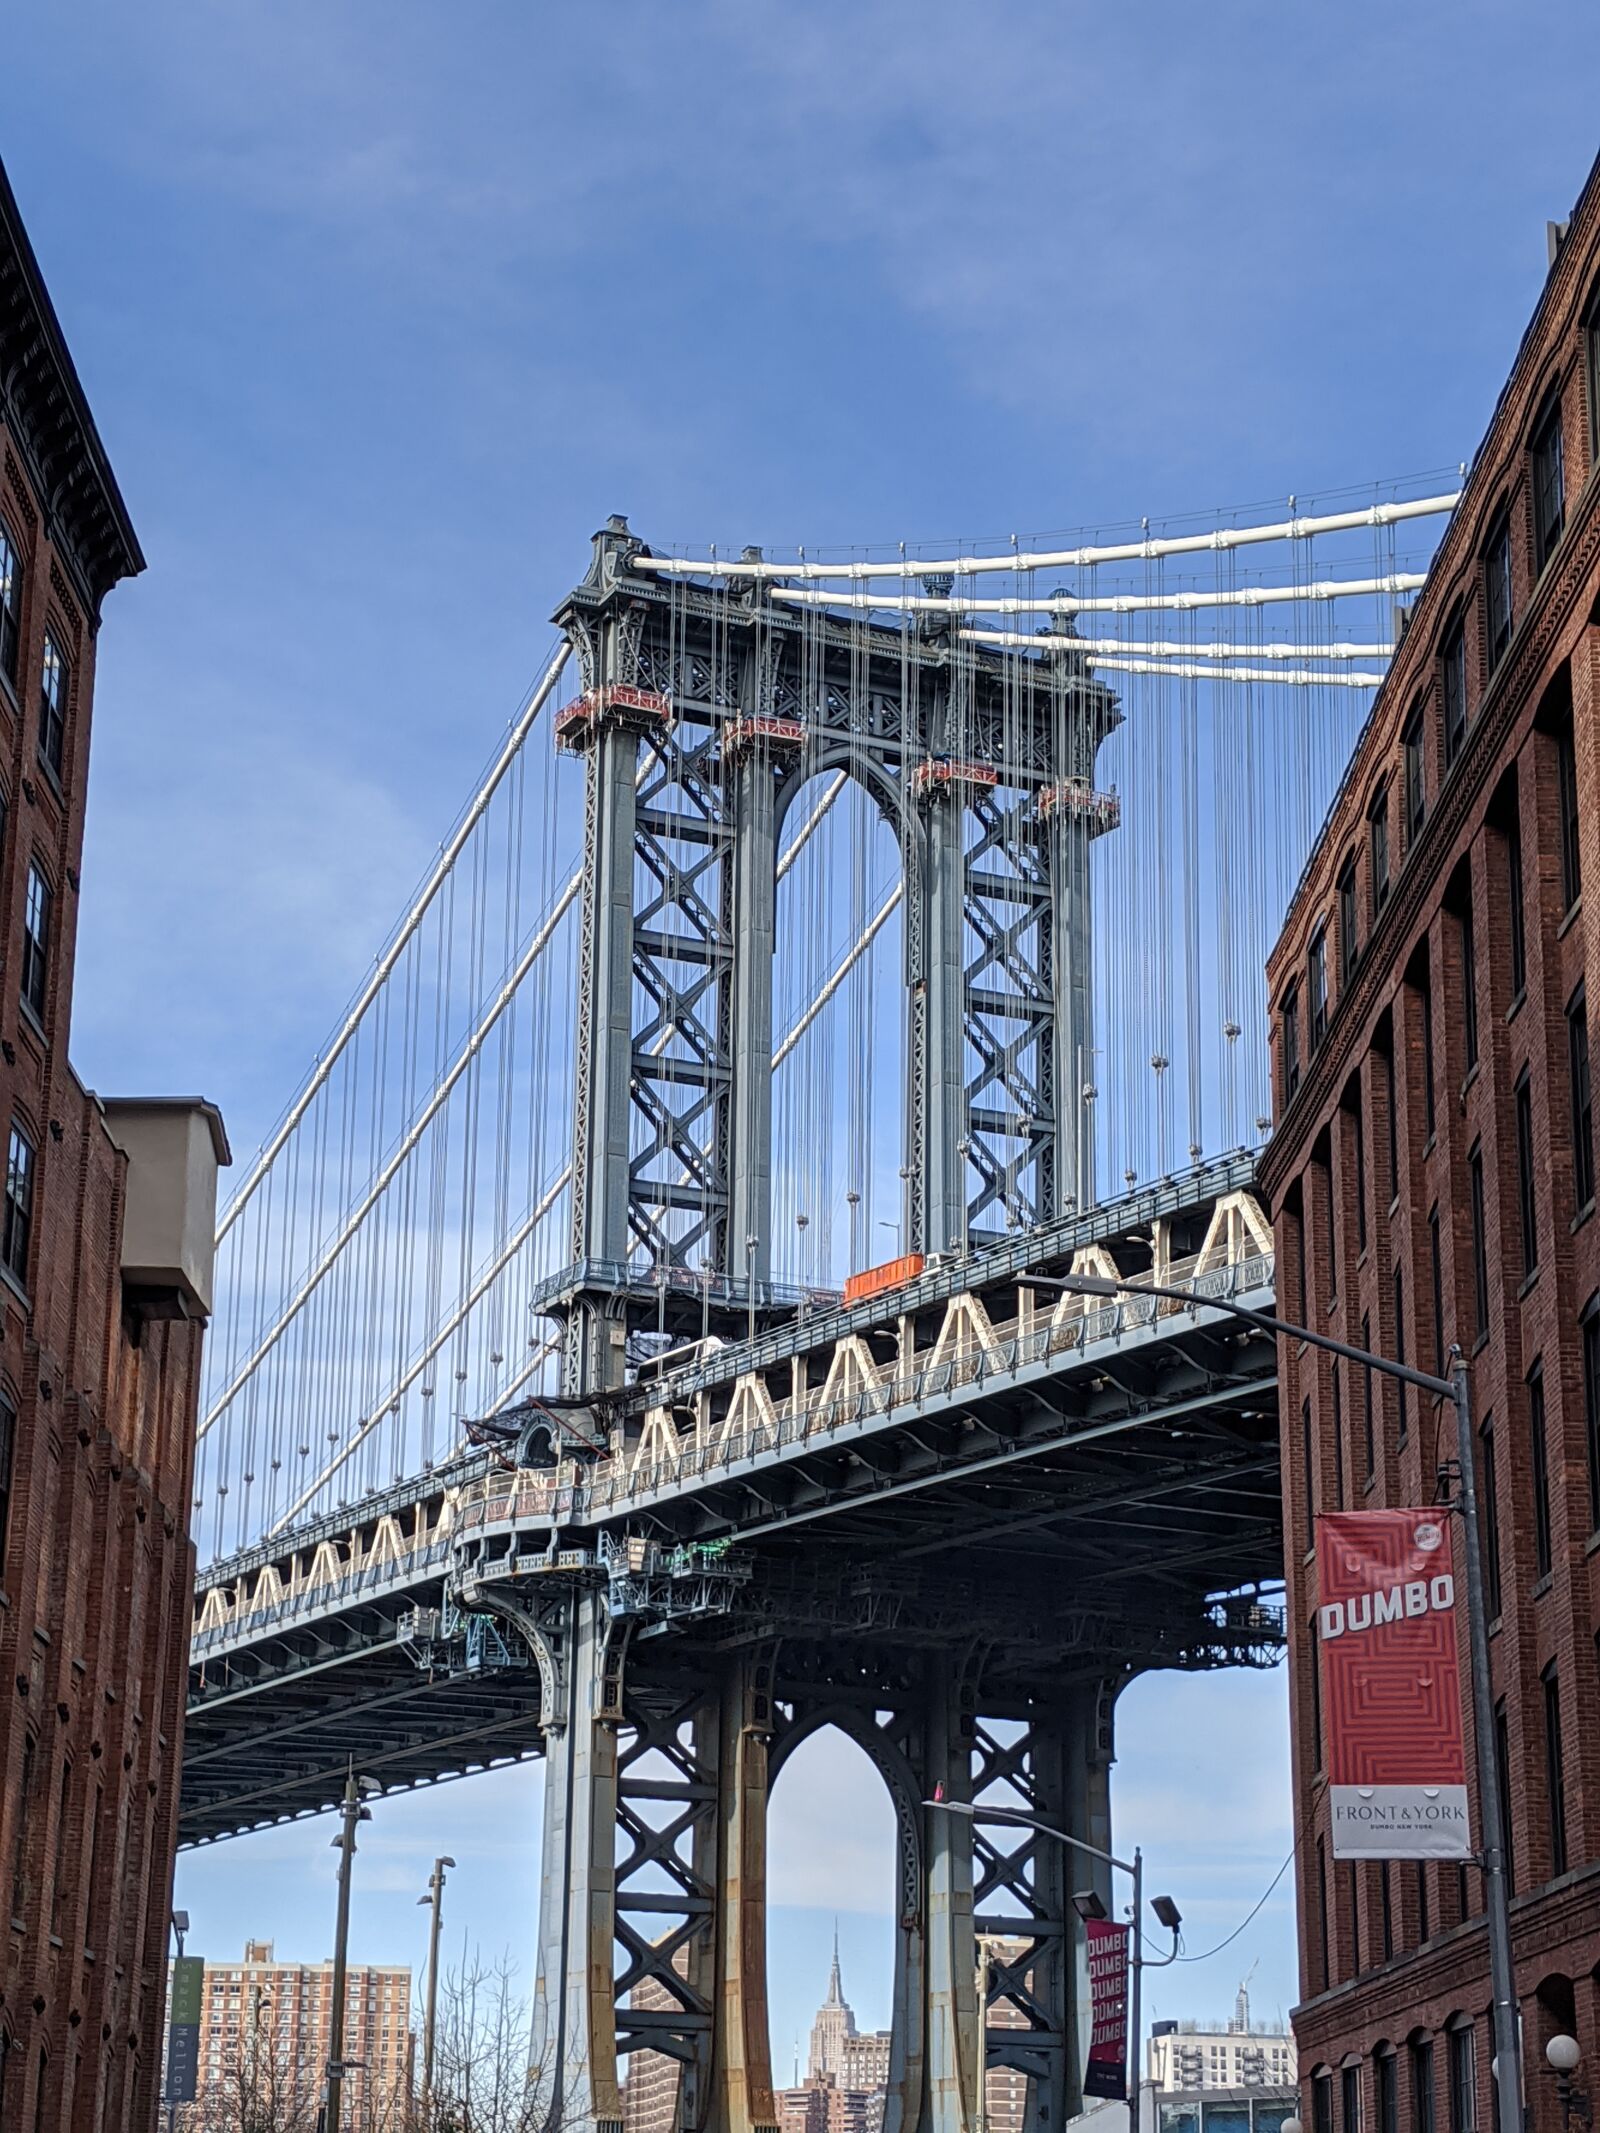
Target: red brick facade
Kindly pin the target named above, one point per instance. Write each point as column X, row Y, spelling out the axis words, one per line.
column 1427, row 1119
column 97, row 1399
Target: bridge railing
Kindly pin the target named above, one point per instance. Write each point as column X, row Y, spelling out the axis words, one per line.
column 970, row 1349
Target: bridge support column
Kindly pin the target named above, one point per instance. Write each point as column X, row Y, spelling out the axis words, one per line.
column 954, row 2049
column 574, row 2055
column 938, row 1107
column 605, row 1041
column 742, row 2098
column 1072, row 974
column 752, row 922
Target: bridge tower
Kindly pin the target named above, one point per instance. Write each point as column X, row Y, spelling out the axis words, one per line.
column 702, row 713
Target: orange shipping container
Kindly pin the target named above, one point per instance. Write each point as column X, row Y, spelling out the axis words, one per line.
column 873, row 1280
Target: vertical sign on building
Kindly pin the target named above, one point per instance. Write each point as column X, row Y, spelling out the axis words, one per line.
column 183, row 2029
column 1391, row 1695
column 1105, row 2071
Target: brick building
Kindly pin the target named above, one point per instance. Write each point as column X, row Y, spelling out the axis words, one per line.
column 265, row 2029
column 106, row 1216
column 1432, row 1179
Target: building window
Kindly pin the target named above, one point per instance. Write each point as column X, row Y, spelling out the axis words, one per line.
column 1516, row 926
column 1463, row 2079
column 1502, row 1761
column 1582, row 1106
column 1527, row 1201
column 18, row 1228
column 1539, row 1472
column 1428, row 1115
column 1369, row 1447
column 1350, row 2098
column 1337, row 1391
column 1555, row 1789
column 1359, row 1141
column 1590, row 1331
column 1402, row 1390
column 1422, row 2085
column 1317, row 986
column 1394, row 1125
column 1388, row 2087
column 1438, row 1292
column 1322, row 1922
column 1453, row 677
column 1480, row 1245
column 8, row 1454
column 1567, row 788
column 1416, row 776
column 59, row 1888
column 1424, row 1929
column 1549, row 485
column 1469, row 983
column 1322, row 2085
column 36, row 942
column 10, row 603
column 19, row 1849
column 1308, row 1456
column 1378, row 837
column 1497, row 584
column 1289, row 1045
column 1385, row 1908
column 1349, row 927
column 53, row 687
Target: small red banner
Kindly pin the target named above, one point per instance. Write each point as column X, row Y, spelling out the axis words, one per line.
column 1106, row 2072
column 1391, row 1694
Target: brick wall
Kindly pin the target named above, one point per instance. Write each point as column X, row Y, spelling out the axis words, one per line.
column 1396, row 1957
column 96, row 1572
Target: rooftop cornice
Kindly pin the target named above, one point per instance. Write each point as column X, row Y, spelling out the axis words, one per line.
column 47, row 414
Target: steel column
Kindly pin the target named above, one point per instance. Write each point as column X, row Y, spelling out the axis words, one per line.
column 742, row 2098
column 754, row 900
column 574, row 2056
column 942, row 1126
column 954, row 2052
column 1072, row 1038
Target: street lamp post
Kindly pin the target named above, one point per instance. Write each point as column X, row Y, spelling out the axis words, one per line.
column 1165, row 1909
column 1565, row 2055
column 1497, row 1898
column 344, row 1844
column 435, row 1898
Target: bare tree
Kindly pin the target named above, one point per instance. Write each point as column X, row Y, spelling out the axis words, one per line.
column 264, row 2087
column 482, row 2079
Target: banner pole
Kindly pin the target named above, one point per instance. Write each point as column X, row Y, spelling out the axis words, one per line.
column 1135, row 1996
column 1502, row 1984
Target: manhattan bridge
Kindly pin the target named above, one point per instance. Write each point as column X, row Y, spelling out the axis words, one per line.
column 624, row 1349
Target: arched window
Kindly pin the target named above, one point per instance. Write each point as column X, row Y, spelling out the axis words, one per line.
column 1549, row 482
column 10, row 602
column 1499, row 611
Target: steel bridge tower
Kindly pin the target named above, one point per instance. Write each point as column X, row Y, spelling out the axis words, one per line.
column 702, row 714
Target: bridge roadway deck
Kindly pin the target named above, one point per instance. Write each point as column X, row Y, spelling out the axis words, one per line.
column 960, row 1460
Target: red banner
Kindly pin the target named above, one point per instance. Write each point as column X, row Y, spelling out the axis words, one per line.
column 1391, row 1696
column 1106, row 2072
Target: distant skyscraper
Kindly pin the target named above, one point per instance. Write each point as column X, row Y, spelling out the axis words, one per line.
column 847, row 2070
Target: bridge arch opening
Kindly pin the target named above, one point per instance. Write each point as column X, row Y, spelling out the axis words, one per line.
column 831, row 1909
column 839, row 1012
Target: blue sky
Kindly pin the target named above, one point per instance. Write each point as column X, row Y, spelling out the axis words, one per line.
column 383, row 307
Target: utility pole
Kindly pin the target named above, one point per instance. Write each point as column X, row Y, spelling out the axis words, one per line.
column 435, row 1898
column 344, row 1844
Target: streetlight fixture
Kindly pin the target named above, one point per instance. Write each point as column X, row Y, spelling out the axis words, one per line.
column 1089, row 1904
column 1497, row 1895
column 435, row 1899
column 344, row 1844
column 1565, row 2055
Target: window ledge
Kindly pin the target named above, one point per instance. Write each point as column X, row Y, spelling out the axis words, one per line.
column 1480, row 1343
column 1545, row 1584
column 1529, row 1285
column 10, row 1281
column 30, row 1015
column 1593, row 1542
column 8, row 693
column 52, row 778
column 1517, row 1005
column 1570, row 917
column 1582, row 1216
column 1470, row 1077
